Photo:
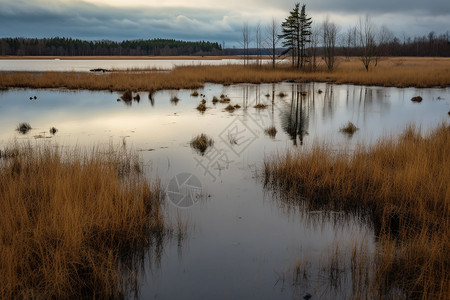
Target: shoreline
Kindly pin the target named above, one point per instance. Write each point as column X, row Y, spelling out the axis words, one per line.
column 400, row 72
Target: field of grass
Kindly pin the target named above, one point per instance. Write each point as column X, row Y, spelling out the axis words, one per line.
column 74, row 222
column 401, row 186
column 399, row 72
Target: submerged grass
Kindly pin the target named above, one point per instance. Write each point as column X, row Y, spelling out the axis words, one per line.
column 401, row 185
column 398, row 71
column 72, row 222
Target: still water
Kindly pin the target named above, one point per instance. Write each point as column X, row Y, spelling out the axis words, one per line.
column 242, row 241
column 84, row 65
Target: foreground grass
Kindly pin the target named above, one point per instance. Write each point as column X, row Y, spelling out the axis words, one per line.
column 72, row 223
column 399, row 72
column 402, row 186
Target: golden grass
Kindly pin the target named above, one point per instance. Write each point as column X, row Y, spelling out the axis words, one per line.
column 399, row 72
column 73, row 221
column 402, row 186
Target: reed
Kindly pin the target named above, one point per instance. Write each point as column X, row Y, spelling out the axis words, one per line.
column 398, row 71
column 400, row 185
column 72, row 222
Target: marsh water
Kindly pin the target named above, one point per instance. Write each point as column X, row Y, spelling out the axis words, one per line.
column 241, row 240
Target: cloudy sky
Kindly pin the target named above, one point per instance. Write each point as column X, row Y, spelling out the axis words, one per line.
column 204, row 19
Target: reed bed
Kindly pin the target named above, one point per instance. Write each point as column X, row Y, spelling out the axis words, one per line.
column 401, row 186
column 399, row 72
column 73, row 221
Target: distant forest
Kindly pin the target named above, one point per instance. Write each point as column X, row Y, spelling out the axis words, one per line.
column 430, row 45
column 74, row 47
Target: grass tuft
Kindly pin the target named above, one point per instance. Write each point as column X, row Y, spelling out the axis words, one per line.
column 230, row 108
column 349, row 129
column 194, row 94
column 201, row 143
column 260, row 106
column 23, row 128
column 271, row 131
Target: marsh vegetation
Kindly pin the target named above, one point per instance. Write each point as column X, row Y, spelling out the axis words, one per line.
column 401, row 185
column 75, row 222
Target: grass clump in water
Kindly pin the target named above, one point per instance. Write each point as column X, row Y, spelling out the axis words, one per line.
column 230, row 108
column 201, row 107
column 201, row 143
column 260, row 106
column 194, row 94
column 174, row 100
column 400, row 186
column 23, row 128
column 73, row 221
column 271, row 131
column 215, row 100
column 349, row 129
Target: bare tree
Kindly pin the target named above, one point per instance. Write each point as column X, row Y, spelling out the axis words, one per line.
column 313, row 47
column 245, row 42
column 258, row 38
column 349, row 41
column 272, row 31
column 329, row 35
column 366, row 39
column 385, row 37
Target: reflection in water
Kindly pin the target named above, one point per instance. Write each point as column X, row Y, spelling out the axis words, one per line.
column 242, row 232
column 295, row 119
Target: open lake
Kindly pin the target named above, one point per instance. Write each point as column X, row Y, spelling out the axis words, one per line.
column 241, row 241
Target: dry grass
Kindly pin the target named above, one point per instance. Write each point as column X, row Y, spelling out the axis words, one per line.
column 72, row 222
column 402, row 186
column 201, row 143
column 399, row 72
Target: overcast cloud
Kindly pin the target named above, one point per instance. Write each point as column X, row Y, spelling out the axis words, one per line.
column 203, row 20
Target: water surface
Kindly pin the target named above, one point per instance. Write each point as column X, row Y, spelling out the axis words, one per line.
column 242, row 241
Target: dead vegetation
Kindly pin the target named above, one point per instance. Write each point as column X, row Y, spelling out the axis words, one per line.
column 398, row 71
column 201, row 143
column 401, row 186
column 74, row 221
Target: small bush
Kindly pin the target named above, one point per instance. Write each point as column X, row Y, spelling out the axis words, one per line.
column 194, row 94
column 282, row 95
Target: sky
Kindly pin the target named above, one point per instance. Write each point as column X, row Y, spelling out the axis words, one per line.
column 218, row 21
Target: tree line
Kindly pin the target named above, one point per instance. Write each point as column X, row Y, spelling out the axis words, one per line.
column 307, row 43
column 74, row 47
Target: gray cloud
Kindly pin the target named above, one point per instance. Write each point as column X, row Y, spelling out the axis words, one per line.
column 78, row 19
